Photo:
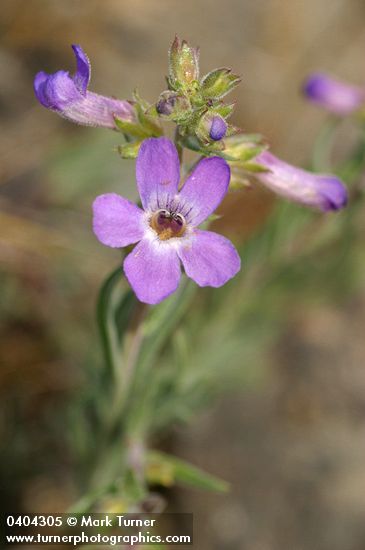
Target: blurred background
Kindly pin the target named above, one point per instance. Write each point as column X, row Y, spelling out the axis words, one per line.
column 288, row 430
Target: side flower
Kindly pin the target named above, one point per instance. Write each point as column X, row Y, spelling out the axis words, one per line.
column 323, row 192
column 334, row 95
column 69, row 96
column 166, row 228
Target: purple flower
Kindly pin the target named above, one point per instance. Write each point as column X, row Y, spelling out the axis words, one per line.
column 324, row 192
column 166, row 230
column 68, row 96
column 337, row 97
column 218, row 128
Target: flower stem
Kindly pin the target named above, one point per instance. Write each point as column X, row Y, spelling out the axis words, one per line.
column 178, row 145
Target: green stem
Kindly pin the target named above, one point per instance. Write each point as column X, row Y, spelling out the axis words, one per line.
column 177, row 141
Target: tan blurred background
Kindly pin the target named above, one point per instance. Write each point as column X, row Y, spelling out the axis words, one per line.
column 293, row 445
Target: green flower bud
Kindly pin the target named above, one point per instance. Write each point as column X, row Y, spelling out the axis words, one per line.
column 183, row 64
column 218, row 83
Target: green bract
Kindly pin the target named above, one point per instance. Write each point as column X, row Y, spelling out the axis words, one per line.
column 218, row 83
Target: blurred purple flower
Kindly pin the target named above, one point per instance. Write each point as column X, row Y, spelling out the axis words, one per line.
column 324, row 192
column 166, row 230
column 69, row 97
column 334, row 95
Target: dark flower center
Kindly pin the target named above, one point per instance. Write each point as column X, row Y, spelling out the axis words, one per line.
column 168, row 224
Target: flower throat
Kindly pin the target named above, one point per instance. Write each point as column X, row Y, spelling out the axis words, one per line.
column 168, row 224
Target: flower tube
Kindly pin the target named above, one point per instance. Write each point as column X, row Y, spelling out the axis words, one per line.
column 323, row 192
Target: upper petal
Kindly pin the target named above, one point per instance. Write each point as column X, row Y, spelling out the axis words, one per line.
column 83, row 69
column 205, row 188
column 117, row 222
column 39, row 88
column 209, row 259
column 334, row 95
column 157, row 171
column 153, row 270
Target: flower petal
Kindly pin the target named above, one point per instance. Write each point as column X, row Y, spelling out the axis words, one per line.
column 117, row 222
column 334, row 95
column 82, row 75
column 324, row 192
column 205, row 188
column 157, row 172
column 39, row 88
column 153, row 270
column 59, row 91
column 209, row 259
column 70, row 98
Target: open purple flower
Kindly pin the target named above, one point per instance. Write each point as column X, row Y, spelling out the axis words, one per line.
column 334, row 95
column 324, row 192
column 69, row 97
column 166, row 230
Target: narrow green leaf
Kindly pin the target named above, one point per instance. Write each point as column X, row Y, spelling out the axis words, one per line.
column 124, row 311
column 185, row 473
column 106, row 328
column 133, row 488
column 149, row 122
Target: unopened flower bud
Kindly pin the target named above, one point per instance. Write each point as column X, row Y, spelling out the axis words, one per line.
column 218, row 128
column 173, row 106
column 183, row 64
column 166, row 103
column 211, row 127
